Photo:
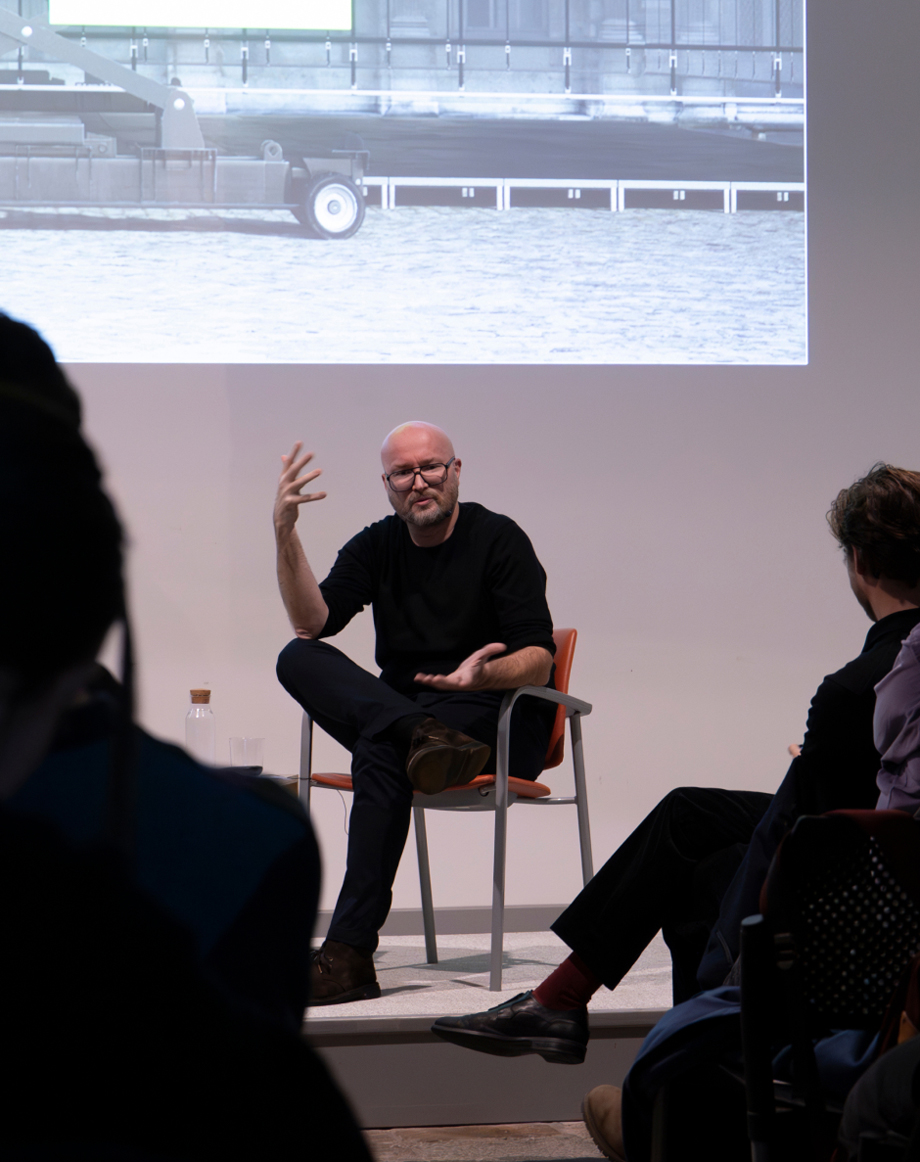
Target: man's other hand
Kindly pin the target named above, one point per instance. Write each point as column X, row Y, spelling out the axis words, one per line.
column 469, row 675
column 289, row 498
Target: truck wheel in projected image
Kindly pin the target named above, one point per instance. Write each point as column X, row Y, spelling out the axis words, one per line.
column 333, row 206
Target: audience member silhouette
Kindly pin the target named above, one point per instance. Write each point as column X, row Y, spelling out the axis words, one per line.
column 687, row 1044
column 232, row 858
column 123, row 1036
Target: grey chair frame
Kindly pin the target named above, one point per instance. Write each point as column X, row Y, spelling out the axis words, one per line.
column 497, row 797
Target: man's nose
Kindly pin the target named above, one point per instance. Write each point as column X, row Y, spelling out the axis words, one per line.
column 419, row 483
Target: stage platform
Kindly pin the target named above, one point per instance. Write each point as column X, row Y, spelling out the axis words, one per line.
column 397, row 1073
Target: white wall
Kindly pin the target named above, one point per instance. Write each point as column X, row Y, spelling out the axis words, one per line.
column 679, row 512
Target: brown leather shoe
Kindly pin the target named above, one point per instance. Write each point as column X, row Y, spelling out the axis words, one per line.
column 440, row 757
column 602, row 1111
column 340, row 973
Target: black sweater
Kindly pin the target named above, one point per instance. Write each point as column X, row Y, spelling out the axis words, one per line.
column 433, row 607
column 836, row 770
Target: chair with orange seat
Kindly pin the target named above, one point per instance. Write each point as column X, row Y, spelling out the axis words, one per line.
column 491, row 793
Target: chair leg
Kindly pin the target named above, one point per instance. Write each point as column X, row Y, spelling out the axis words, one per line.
column 581, row 799
column 306, row 761
column 498, row 860
column 498, row 895
column 424, row 881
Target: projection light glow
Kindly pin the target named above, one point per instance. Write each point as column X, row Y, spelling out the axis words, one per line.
column 315, row 15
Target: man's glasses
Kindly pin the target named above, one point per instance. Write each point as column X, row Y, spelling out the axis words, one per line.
column 403, row 479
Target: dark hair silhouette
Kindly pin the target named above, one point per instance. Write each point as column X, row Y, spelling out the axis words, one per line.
column 61, row 585
column 879, row 516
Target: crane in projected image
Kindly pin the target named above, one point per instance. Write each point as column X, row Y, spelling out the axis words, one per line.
column 48, row 157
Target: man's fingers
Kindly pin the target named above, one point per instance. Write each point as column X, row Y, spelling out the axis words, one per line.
column 299, row 483
column 292, row 466
column 438, row 681
column 287, row 459
column 298, row 465
column 290, row 489
column 293, row 489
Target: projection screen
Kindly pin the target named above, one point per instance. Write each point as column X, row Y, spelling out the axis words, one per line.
column 442, row 181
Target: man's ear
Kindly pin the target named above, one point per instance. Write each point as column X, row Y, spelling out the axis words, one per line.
column 859, row 567
column 862, row 570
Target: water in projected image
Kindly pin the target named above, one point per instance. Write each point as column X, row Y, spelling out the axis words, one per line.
column 494, row 182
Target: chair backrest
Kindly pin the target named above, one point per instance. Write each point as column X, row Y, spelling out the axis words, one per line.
column 840, row 920
column 565, row 649
column 846, row 888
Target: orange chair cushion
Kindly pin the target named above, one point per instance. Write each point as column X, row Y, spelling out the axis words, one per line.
column 521, row 787
column 337, row 782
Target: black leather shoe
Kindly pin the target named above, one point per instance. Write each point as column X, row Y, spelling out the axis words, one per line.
column 440, row 757
column 340, row 973
column 521, row 1025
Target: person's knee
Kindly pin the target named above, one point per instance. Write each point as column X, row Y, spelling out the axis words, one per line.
column 694, row 820
column 679, row 800
column 293, row 658
column 680, row 812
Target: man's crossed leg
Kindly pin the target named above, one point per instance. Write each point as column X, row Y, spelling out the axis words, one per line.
column 398, row 744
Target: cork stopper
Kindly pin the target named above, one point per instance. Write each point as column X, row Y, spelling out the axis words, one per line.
column 201, row 696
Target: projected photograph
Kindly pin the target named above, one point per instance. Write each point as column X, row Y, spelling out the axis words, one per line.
column 406, row 181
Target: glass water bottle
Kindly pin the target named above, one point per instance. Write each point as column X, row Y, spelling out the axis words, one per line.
column 199, row 727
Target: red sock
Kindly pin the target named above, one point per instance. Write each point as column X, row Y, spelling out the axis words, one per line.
column 570, row 986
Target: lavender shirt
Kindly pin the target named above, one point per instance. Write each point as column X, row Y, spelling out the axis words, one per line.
column 897, row 729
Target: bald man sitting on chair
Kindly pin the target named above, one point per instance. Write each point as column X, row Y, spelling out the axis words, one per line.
column 460, row 613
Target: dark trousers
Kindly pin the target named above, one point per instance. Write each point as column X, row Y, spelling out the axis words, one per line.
column 357, row 709
column 886, row 1098
column 669, row 875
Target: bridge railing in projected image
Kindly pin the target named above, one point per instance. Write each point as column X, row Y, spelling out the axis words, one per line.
column 731, row 48
column 617, row 194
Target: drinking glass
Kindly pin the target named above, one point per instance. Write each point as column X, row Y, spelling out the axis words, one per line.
column 246, row 754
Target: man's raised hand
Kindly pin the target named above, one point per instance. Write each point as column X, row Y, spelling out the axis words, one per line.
column 469, row 675
column 289, row 498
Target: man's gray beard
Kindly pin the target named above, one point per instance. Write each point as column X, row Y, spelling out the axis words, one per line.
column 423, row 520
